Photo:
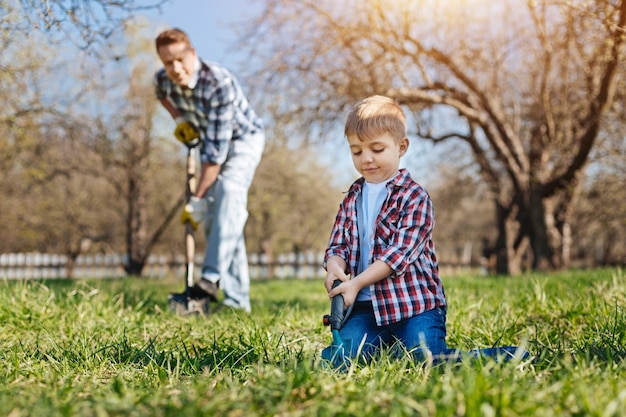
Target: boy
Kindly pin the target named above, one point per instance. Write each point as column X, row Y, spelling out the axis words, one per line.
column 381, row 245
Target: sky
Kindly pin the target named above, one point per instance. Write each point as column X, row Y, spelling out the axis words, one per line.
column 209, row 24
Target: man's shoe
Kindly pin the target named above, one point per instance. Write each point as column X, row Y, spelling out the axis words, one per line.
column 210, row 289
column 184, row 306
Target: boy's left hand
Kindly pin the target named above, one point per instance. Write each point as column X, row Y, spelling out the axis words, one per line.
column 348, row 289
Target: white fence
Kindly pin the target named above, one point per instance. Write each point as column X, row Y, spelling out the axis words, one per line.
column 305, row 265
column 45, row 266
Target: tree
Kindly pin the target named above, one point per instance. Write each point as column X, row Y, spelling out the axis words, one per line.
column 292, row 203
column 86, row 23
column 599, row 235
column 32, row 159
column 455, row 193
column 524, row 86
column 84, row 166
column 139, row 163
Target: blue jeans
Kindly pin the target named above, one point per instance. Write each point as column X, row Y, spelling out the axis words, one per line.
column 418, row 334
column 226, row 259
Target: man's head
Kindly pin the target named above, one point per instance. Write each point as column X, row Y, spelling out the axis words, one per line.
column 177, row 54
column 376, row 132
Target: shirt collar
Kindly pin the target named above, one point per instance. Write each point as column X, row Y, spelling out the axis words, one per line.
column 401, row 179
column 196, row 74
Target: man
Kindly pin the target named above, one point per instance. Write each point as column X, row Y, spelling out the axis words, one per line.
column 208, row 105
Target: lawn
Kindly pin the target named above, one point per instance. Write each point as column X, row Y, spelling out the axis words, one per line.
column 112, row 348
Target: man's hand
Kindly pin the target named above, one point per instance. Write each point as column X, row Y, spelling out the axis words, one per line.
column 194, row 212
column 186, row 133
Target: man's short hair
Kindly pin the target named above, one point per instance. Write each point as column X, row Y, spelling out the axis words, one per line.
column 170, row 36
column 376, row 116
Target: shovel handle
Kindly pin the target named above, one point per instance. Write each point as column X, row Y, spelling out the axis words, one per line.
column 336, row 309
column 190, row 242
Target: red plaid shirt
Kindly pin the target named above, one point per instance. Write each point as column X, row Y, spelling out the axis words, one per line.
column 403, row 240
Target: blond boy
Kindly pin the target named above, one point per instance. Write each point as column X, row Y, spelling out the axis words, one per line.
column 381, row 245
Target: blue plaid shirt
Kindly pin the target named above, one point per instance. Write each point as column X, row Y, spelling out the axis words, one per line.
column 403, row 240
column 216, row 107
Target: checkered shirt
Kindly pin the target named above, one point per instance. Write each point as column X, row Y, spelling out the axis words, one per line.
column 216, row 107
column 403, row 240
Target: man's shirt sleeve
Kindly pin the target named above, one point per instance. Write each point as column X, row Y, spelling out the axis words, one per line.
column 220, row 120
column 158, row 84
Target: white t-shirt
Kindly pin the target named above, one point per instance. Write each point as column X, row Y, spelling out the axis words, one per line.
column 372, row 198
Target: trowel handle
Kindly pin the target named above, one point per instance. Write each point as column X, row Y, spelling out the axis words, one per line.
column 336, row 309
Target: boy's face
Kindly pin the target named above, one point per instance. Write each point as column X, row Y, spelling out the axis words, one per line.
column 179, row 60
column 377, row 159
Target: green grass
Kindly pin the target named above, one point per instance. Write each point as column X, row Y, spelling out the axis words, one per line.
column 111, row 348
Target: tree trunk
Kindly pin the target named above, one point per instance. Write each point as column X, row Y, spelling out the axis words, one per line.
column 541, row 232
column 268, row 253
column 136, row 231
column 500, row 247
column 70, row 266
column 563, row 217
column 266, row 243
column 512, row 242
column 550, row 230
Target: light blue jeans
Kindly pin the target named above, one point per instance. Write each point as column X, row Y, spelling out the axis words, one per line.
column 226, row 259
column 363, row 338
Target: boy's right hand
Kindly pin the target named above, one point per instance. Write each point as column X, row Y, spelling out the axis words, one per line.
column 334, row 271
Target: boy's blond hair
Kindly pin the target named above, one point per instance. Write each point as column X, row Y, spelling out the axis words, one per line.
column 376, row 116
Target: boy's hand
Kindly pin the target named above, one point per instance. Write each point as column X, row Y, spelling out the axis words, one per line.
column 334, row 271
column 348, row 289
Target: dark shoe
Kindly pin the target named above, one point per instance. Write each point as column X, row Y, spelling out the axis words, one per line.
column 177, row 298
column 208, row 288
column 195, row 294
column 184, row 306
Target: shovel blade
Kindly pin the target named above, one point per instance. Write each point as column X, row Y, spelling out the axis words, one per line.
column 335, row 354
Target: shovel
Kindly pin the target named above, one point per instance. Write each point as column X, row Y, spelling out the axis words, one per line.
column 184, row 303
column 335, row 353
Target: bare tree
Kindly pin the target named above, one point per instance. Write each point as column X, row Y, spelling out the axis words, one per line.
column 84, row 166
column 525, row 86
column 87, row 23
column 134, row 158
column 455, row 193
column 599, row 233
column 32, row 159
column 292, row 203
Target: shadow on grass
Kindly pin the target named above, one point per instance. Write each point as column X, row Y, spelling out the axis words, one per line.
column 234, row 353
column 604, row 343
column 141, row 294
